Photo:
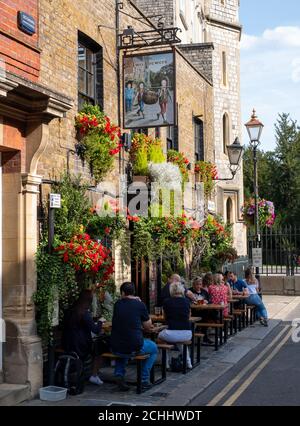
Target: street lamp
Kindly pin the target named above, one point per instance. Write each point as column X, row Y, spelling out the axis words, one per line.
column 235, row 154
column 255, row 128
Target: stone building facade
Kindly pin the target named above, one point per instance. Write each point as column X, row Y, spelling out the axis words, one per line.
column 38, row 102
column 211, row 41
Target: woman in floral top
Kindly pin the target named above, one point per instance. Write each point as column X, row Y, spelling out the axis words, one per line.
column 219, row 293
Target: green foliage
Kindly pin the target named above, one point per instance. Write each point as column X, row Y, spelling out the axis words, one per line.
column 278, row 172
column 182, row 162
column 155, row 154
column 140, row 166
column 75, row 210
column 98, row 155
column 53, row 278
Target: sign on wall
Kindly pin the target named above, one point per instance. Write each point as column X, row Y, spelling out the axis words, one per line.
column 149, row 90
column 55, row 201
column 257, row 260
column 26, row 23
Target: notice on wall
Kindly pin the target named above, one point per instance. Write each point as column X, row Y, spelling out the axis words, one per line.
column 257, row 260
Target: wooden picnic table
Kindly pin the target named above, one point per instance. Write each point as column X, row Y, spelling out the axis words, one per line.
column 210, row 307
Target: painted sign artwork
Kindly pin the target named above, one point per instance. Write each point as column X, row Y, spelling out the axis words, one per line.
column 149, row 90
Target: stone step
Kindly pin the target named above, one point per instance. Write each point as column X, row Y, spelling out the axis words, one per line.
column 13, row 394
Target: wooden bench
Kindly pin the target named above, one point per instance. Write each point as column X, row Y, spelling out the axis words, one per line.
column 251, row 313
column 164, row 347
column 217, row 327
column 198, row 337
column 138, row 358
column 240, row 316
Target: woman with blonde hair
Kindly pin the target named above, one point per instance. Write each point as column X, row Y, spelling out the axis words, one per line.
column 254, row 299
column 219, row 292
column 177, row 312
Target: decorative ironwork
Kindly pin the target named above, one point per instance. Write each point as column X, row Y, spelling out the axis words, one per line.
column 130, row 39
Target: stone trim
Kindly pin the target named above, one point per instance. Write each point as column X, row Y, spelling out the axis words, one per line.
column 27, row 101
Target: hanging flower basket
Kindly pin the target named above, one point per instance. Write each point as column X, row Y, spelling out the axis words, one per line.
column 99, row 140
column 266, row 213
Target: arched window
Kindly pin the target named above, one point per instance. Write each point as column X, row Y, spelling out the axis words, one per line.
column 229, row 211
column 226, row 133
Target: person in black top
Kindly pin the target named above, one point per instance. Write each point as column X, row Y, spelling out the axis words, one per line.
column 77, row 328
column 130, row 317
column 199, row 292
column 177, row 313
column 165, row 292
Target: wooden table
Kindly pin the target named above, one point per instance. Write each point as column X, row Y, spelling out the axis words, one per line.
column 210, row 307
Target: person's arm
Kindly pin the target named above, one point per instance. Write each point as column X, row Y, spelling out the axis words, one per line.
column 147, row 325
column 190, row 295
column 229, row 291
column 245, row 290
column 92, row 327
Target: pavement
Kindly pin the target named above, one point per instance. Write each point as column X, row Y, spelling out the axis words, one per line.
column 196, row 387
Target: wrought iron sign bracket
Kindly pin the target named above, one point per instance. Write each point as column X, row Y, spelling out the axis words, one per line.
column 130, row 39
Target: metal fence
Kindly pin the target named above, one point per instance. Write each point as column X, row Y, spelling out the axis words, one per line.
column 238, row 267
column 280, row 250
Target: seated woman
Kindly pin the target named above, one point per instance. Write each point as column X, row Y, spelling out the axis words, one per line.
column 254, row 299
column 77, row 337
column 177, row 312
column 198, row 291
column 220, row 293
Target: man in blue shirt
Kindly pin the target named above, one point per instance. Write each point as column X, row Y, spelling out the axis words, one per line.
column 130, row 317
column 237, row 285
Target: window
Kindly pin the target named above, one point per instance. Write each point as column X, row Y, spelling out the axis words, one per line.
column 226, row 135
column 157, row 132
column 140, row 131
column 224, row 68
column 172, row 138
column 199, row 139
column 229, row 211
column 90, row 72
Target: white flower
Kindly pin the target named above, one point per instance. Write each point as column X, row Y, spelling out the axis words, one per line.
column 166, row 175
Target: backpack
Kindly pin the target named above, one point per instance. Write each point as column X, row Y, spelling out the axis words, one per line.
column 69, row 373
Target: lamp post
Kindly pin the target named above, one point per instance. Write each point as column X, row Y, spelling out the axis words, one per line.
column 255, row 128
column 235, row 154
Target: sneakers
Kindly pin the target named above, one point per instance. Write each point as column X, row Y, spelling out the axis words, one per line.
column 189, row 365
column 121, row 384
column 264, row 322
column 207, row 340
column 95, row 380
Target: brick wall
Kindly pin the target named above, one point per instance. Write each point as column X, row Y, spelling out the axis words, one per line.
column 163, row 8
column 18, row 50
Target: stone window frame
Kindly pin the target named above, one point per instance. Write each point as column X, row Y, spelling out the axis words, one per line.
column 226, row 136
column 224, row 68
column 96, row 71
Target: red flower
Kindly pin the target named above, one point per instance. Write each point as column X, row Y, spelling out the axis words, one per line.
column 107, row 230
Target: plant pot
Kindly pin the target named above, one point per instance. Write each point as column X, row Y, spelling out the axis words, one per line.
column 140, row 179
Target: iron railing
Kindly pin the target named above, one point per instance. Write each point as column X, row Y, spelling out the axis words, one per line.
column 280, row 250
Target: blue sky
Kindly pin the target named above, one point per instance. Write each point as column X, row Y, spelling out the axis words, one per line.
column 270, row 62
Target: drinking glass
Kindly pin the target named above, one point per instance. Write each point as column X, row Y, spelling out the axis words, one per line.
column 157, row 311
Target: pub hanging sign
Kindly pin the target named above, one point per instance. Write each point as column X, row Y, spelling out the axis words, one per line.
column 26, row 23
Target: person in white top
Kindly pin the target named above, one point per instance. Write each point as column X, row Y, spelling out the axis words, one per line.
column 254, row 299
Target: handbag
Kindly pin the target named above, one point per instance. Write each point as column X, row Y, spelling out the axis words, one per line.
column 177, row 364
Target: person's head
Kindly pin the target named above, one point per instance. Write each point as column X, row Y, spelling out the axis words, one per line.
column 164, row 83
column 127, row 289
column 207, row 280
column 233, row 277
column 175, row 278
column 141, row 86
column 226, row 275
column 197, row 284
column 82, row 304
column 249, row 276
column 176, row 289
column 129, row 85
column 218, row 279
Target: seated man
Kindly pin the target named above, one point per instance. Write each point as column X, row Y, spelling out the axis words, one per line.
column 238, row 286
column 129, row 318
column 199, row 292
column 165, row 293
